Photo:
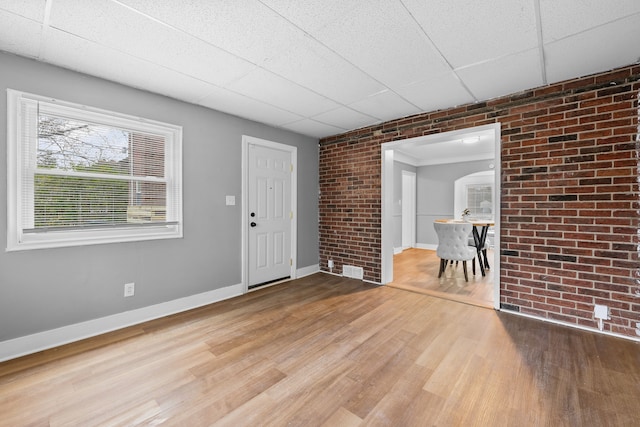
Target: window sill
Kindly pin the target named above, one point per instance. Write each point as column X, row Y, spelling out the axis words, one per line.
column 49, row 240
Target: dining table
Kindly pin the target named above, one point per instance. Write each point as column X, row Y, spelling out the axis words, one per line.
column 479, row 232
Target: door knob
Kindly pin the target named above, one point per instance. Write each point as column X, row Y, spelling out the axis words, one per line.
column 253, row 224
column 253, row 214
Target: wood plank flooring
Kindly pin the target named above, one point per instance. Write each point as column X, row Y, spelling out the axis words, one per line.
column 329, row 351
column 417, row 270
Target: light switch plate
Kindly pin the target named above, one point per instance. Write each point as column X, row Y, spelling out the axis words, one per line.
column 231, row 200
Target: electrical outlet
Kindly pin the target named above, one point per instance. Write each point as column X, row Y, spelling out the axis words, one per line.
column 330, row 263
column 129, row 289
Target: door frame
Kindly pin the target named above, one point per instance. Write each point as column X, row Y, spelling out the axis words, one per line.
column 408, row 216
column 293, row 151
column 387, row 159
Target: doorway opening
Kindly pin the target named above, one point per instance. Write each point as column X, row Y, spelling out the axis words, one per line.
column 448, row 156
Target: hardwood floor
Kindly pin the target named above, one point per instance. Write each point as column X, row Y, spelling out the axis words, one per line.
column 329, row 351
column 417, row 270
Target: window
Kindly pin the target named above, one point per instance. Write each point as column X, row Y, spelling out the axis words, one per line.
column 475, row 192
column 78, row 175
column 480, row 200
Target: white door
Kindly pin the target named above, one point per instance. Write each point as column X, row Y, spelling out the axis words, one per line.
column 408, row 209
column 269, row 215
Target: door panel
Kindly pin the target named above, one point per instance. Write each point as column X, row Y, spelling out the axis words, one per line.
column 269, row 199
column 278, row 248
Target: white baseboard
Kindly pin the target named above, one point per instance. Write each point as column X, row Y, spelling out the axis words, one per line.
column 428, row 246
column 307, row 271
column 396, row 251
column 29, row 344
column 331, row 273
column 569, row 325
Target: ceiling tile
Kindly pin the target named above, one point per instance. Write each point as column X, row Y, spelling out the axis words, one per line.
column 62, row 49
column 503, row 76
column 19, row 35
column 245, row 28
column 127, row 31
column 345, row 118
column 436, row 93
column 233, row 103
column 564, row 18
column 312, row 65
column 341, row 61
column 315, row 14
column 271, row 89
column 313, row 128
column 602, row 48
column 382, row 39
column 385, row 105
column 468, row 31
column 33, row 10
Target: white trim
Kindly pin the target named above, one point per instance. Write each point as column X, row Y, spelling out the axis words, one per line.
column 397, row 251
column 408, row 216
column 570, row 325
column 340, row 275
column 293, row 151
column 451, row 160
column 429, row 246
column 497, row 189
column 412, row 161
column 386, row 231
column 40, row 341
column 331, row 273
column 387, row 158
column 307, row 271
column 18, row 192
column 406, row 159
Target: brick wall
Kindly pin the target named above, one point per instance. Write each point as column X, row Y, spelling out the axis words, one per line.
column 570, row 197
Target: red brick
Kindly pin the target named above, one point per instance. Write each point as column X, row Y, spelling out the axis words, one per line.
column 584, row 131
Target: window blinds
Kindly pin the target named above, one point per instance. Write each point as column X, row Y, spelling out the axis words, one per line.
column 83, row 170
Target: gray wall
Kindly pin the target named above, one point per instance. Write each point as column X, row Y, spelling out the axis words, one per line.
column 45, row 289
column 435, row 187
column 398, row 167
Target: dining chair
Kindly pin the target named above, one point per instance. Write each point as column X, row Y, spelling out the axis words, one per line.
column 453, row 245
column 484, row 249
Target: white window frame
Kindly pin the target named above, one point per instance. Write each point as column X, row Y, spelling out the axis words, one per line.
column 18, row 158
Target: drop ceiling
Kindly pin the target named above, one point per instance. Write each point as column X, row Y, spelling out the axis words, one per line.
column 323, row 67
